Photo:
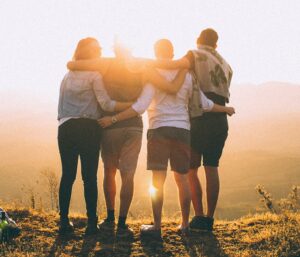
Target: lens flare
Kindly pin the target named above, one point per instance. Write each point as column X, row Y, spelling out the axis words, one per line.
column 152, row 190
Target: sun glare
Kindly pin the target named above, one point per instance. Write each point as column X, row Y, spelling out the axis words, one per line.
column 152, row 191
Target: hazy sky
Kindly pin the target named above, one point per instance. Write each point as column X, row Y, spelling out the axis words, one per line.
column 259, row 38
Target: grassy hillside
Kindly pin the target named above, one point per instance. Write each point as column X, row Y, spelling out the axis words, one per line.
column 258, row 235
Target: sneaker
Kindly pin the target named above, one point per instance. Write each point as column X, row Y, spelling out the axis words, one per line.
column 201, row 223
column 92, row 227
column 183, row 230
column 124, row 231
column 91, row 230
column 150, row 231
column 108, row 224
column 65, row 227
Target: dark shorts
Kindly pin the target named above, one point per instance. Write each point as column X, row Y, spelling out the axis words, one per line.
column 168, row 143
column 121, row 148
column 208, row 136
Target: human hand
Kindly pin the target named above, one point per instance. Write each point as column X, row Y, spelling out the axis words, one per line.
column 230, row 111
column 70, row 65
column 105, row 122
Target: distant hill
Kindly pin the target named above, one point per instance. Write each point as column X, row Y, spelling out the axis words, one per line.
column 267, row 117
column 270, row 99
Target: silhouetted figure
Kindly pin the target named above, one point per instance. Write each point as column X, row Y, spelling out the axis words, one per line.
column 79, row 135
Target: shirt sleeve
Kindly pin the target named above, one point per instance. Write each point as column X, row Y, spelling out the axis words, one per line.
column 190, row 57
column 189, row 81
column 207, row 104
column 101, row 94
column 60, row 98
column 144, row 100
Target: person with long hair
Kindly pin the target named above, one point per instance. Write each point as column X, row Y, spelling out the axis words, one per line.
column 81, row 101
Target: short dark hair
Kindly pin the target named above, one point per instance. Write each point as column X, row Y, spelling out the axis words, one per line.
column 163, row 48
column 208, row 37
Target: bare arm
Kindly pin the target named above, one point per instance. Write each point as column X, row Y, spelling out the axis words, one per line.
column 137, row 108
column 101, row 65
column 127, row 114
column 220, row 108
column 106, row 103
column 120, row 106
column 209, row 106
column 108, row 120
column 182, row 63
column 170, row 87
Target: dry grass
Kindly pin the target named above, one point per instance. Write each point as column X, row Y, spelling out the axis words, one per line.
column 259, row 235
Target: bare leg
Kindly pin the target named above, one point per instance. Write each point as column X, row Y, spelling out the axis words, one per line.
column 126, row 192
column 184, row 197
column 109, row 186
column 158, row 180
column 196, row 192
column 212, row 189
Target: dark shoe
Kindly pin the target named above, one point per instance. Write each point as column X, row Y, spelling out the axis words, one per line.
column 201, row 223
column 124, row 231
column 91, row 230
column 183, row 230
column 92, row 227
column 108, row 224
column 150, row 231
column 65, row 227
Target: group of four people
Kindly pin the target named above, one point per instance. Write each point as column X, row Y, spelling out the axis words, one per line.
column 101, row 100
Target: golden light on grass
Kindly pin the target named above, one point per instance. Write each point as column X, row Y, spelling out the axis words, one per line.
column 152, row 191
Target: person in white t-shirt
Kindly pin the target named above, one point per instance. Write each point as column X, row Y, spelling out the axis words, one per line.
column 168, row 136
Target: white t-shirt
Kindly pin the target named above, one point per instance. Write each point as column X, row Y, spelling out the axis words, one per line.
column 167, row 109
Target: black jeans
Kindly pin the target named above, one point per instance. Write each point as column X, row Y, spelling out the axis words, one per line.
column 79, row 137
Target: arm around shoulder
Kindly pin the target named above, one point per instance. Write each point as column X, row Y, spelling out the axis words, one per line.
column 100, row 64
column 226, row 109
column 182, row 63
column 139, row 107
column 170, row 87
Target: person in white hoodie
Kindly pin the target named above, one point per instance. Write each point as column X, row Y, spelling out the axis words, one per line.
column 168, row 136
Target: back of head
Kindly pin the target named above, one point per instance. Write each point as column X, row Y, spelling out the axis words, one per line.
column 87, row 48
column 208, row 37
column 163, row 48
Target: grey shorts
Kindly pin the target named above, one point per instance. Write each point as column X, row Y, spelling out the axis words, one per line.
column 121, row 148
column 168, row 143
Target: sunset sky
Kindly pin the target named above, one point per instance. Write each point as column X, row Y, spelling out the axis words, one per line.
column 260, row 39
